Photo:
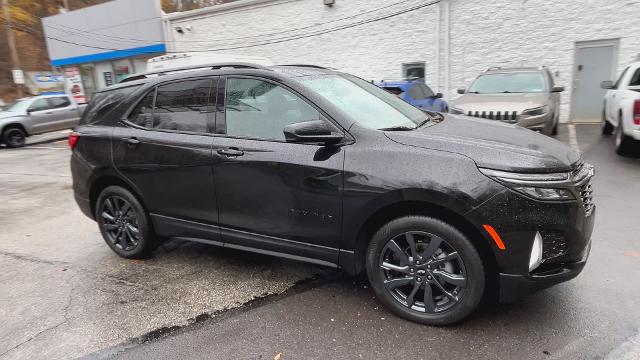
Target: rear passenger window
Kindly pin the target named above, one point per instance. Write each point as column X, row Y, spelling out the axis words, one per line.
column 635, row 79
column 183, row 106
column 59, row 102
column 39, row 105
column 142, row 114
column 102, row 103
column 260, row 109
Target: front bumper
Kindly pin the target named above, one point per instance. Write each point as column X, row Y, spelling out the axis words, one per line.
column 513, row 287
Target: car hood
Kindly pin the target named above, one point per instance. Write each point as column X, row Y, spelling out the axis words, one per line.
column 492, row 145
column 9, row 114
column 500, row 102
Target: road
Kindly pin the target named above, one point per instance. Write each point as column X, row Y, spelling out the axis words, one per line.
column 66, row 295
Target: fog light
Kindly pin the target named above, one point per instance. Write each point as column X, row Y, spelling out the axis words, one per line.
column 536, row 252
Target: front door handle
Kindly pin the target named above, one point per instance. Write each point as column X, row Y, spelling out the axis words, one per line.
column 131, row 141
column 231, row 152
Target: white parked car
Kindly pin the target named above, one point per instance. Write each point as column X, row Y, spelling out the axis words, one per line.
column 621, row 111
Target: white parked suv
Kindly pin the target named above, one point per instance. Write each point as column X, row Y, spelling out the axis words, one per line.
column 621, row 110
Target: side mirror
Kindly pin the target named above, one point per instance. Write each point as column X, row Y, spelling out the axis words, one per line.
column 462, row 90
column 437, row 96
column 29, row 111
column 607, row 84
column 557, row 89
column 315, row 132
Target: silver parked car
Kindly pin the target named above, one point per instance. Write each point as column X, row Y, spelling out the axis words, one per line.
column 522, row 96
column 37, row 115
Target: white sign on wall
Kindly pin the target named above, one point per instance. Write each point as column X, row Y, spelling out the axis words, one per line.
column 18, row 76
column 73, row 83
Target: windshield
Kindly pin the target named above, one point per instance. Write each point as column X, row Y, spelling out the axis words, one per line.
column 525, row 82
column 19, row 106
column 367, row 104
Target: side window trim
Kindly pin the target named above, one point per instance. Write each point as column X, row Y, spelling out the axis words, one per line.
column 221, row 129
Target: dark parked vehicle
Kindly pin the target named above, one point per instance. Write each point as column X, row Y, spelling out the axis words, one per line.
column 316, row 165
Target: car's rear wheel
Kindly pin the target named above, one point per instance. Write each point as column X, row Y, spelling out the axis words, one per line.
column 606, row 127
column 124, row 223
column 425, row 270
column 14, row 137
column 625, row 144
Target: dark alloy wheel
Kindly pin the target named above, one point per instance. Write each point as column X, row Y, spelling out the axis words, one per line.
column 425, row 270
column 123, row 223
column 14, row 137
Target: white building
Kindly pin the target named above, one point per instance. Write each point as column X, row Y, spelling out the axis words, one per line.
column 582, row 41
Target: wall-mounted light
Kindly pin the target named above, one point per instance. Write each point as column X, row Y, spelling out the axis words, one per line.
column 329, row 3
column 179, row 29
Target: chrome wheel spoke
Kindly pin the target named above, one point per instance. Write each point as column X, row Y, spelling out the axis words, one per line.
column 398, row 252
column 453, row 279
column 429, row 305
column 108, row 216
column 412, row 294
column 391, row 267
column 433, row 246
column 395, row 283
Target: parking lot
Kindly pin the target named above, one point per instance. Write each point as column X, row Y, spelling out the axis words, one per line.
column 65, row 294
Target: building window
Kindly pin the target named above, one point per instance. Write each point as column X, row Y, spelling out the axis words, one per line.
column 414, row 70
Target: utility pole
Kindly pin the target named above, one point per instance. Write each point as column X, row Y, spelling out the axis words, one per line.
column 65, row 3
column 12, row 42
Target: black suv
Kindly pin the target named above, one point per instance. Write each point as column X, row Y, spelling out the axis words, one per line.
column 320, row 166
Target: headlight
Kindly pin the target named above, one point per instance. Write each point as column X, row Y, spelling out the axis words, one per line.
column 549, row 187
column 456, row 111
column 536, row 111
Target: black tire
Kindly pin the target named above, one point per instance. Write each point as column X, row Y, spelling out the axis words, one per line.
column 14, row 137
column 118, row 212
column 455, row 257
column 606, row 127
column 625, row 145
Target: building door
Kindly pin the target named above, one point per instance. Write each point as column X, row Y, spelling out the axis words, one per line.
column 594, row 62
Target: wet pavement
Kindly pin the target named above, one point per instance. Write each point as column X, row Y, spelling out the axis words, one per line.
column 64, row 294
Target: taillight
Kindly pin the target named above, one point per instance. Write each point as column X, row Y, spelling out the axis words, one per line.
column 636, row 112
column 73, row 139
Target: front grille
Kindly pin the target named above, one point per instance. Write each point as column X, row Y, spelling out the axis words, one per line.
column 554, row 246
column 586, row 194
column 508, row 116
column 582, row 179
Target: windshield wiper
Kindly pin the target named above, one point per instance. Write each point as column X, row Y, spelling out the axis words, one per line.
column 398, row 128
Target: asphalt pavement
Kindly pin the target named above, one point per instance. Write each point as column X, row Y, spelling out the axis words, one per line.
column 64, row 294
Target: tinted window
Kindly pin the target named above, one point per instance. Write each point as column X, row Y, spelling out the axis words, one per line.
column 143, row 112
column 102, row 103
column 261, row 109
column 39, row 105
column 635, row 79
column 183, row 106
column 416, row 92
column 59, row 102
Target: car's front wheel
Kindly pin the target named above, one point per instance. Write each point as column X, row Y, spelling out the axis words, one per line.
column 425, row 270
column 124, row 223
column 14, row 137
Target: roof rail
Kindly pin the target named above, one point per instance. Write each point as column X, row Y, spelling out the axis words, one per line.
column 211, row 66
column 305, row 65
column 491, row 68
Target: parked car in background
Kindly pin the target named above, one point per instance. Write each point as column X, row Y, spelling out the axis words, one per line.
column 416, row 93
column 321, row 166
column 621, row 111
column 37, row 115
column 526, row 97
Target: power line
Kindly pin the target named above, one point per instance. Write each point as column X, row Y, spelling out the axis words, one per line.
column 82, row 32
column 275, row 41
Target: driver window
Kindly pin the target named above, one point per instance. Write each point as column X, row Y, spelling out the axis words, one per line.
column 260, row 109
column 39, row 105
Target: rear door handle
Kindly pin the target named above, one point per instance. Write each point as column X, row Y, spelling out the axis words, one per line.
column 131, row 141
column 230, row 152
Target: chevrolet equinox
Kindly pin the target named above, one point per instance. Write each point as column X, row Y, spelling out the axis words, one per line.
column 315, row 165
